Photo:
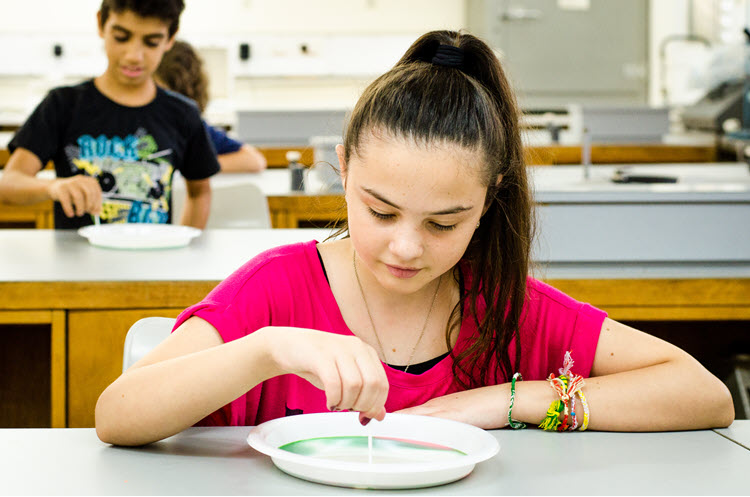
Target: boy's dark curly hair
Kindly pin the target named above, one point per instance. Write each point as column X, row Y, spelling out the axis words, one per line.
column 166, row 10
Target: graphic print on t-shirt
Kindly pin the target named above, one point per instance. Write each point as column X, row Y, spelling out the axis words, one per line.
column 135, row 176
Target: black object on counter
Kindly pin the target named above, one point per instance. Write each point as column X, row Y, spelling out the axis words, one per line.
column 296, row 171
column 244, row 51
column 623, row 176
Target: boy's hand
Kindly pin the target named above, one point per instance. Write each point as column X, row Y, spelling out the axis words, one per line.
column 77, row 195
column 345, row 367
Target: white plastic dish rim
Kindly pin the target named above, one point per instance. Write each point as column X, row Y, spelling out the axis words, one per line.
column 138, row 235
column 477, row 444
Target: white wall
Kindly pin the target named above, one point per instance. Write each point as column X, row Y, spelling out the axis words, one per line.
column 349, row 42
column 232, row 17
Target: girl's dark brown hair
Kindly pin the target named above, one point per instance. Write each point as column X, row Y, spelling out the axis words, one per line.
column 181, row 70
column 472, row 106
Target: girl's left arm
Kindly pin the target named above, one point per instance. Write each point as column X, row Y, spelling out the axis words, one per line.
column 638, row 383
column 642, row 383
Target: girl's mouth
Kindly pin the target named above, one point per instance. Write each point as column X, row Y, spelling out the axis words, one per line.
column 400, row 272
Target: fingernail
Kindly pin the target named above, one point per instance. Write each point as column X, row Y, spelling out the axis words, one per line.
column 333, row 408
column 364, row 420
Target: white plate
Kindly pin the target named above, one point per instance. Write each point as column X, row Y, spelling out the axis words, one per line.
column 416, row 468
column 139, row 235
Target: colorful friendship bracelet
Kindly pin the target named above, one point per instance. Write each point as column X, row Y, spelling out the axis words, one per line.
column 585, row 404
column 551, row 422
column 560, row 411
column 516, row 425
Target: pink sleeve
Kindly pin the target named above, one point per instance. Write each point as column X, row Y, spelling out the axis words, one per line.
column 240, row 305
column 554, row 323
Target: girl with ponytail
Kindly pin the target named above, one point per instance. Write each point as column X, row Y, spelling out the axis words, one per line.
column 425, row 304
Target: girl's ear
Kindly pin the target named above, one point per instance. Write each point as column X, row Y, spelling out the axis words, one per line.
column 342, row 164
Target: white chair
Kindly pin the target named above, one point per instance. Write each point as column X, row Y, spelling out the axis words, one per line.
column 144, row 335
column 236, row 202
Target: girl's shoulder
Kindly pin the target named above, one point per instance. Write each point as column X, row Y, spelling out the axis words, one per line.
column 295, row 257
column 539, row 290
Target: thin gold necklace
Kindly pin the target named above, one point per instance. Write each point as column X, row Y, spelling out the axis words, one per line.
column 372, row 323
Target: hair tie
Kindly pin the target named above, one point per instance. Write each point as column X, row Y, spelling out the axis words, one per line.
column 449, row 56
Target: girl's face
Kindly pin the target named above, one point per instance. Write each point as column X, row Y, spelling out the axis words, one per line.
column 412, row 209
column 134, row 47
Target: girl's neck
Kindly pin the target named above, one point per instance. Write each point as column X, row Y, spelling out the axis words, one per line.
column 136, row 96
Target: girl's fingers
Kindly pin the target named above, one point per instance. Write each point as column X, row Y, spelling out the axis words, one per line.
column 374, row 393
column 330, row 380
column 351, row 381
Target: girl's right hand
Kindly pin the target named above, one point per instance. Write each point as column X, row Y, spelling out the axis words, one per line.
column 346, row 368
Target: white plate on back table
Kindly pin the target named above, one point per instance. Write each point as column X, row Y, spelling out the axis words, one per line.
column 392, row 467
column 139, row 236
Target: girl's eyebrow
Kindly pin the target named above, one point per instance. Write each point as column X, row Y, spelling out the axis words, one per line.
column 452, row 210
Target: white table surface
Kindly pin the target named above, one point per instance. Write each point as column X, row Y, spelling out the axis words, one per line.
column 739, row 432
column 63, row 255
column 218, row 461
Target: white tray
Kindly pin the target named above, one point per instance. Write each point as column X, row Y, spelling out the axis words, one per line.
column 139, row 236
column 417, row 468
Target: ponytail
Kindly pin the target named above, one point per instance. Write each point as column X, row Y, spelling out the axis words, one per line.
column 450, row 87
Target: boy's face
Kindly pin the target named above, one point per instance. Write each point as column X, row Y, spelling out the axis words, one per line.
column 134, row 46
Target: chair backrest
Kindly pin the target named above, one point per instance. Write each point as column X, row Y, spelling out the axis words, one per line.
column 144, row 335
column 240, row 204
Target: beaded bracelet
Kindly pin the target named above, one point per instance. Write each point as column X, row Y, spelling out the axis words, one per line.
column 573, row 416
column 516, row 425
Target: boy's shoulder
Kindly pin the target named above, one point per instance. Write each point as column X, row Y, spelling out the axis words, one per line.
column 178, row 100
column 71, row 93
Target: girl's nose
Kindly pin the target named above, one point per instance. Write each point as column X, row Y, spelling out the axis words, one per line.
column 407, row 245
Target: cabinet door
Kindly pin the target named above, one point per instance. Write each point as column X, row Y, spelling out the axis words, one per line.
column 568, row 51
column 95, row 346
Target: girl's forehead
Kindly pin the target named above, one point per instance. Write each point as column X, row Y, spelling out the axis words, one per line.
column 419, row 175
column 406, row 156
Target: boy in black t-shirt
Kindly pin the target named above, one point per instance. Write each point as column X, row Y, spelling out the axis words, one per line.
column 117, row 139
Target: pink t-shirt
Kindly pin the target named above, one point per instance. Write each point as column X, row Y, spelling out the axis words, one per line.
column 286, row 286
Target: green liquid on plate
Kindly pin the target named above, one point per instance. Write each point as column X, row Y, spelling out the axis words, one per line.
column 384, row 450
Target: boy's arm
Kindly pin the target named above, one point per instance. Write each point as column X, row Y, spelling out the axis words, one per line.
column 197, row 203
column 247, row 159
column 19, row 185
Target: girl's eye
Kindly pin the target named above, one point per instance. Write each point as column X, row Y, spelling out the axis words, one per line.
column 443, row 227
column 380, row 215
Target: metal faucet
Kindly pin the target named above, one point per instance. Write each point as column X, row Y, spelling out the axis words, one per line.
column 586, row 154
